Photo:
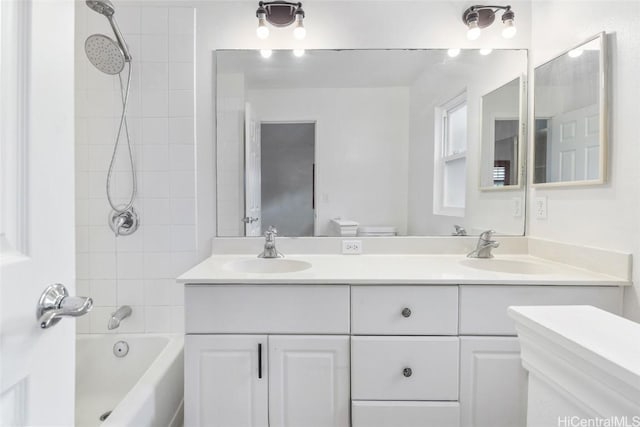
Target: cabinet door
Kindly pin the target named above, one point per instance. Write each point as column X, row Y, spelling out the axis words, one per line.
column 225, row 385
column 309, row 381
column 493, row 383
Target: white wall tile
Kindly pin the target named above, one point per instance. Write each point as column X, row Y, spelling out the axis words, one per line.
column 182, row 157
column 129, row 19
column 181, row 76
column 157, row 238
column 130, row 292
column 183, row 211
column 181, row 48
column 102, row 265
column 133, row 323
column 154, row 47
column 182, row 184
column 181, row 130
column 181, row 20
column 103, row 292
column 100, row 157
column 158, row 292
column 180, row 103
column 99, row 319
column 154, row 20
column 157, row 211
column 154, row 75
column 82, row 288
column 133, row 242
column 158, row 265
column 155, row 103
column 101, row 238
column 155, row 184
column 155, row 130
column 158, row 319
column 183, row 261
column 82, row 266
column 130, row 265
column 177, row 319
column 183, row 238
column 155, row 157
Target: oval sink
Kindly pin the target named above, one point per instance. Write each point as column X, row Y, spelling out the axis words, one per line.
column 511, row 266
column 267, row 265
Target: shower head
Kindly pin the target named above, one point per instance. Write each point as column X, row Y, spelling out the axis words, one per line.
column 105, row 54
column 103, row 7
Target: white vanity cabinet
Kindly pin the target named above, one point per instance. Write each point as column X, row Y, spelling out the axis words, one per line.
column 268, row 377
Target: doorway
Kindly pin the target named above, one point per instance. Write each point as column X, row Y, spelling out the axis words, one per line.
column 288, row 177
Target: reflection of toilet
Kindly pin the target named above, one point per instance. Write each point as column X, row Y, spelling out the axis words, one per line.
column 343, row 227
column 377, row 231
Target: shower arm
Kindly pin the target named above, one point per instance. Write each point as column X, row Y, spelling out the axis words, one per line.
column 121, row 42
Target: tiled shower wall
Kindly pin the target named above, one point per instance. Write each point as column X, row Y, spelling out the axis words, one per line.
column 137, row 270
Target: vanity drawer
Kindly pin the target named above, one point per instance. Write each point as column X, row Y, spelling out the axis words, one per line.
column 483, row 309
column 404, row 310
column 267, row 309
column 378, row 368
column 405, row 414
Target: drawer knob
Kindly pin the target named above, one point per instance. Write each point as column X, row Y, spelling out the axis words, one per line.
column 407, row 372
column 406, row 312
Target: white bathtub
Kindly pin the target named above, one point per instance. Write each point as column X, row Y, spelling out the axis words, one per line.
column 144, row 388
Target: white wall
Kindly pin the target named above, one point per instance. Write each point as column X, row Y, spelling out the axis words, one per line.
column 361, row 149
column 604, row 216
column 138, row 270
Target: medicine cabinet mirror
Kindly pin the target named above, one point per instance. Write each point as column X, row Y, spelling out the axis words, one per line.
column 503, row 135
column 360, row 142
column 570, row 129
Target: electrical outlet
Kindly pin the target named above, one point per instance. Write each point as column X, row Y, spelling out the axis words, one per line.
column 352, row 247
column 517, row 207
column 541, row 208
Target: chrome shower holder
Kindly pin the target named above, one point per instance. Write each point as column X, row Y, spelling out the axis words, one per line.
column 124, row 223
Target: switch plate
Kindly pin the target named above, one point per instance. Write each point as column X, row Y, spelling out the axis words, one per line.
column 517, row 207
column 352, row 247
column 541, row 208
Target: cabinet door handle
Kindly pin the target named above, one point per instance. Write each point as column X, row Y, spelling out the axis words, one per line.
column 407, row 372
column 259, row 361
column 406, row 312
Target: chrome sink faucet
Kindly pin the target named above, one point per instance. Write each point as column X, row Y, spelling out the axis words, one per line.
column 270, row 250
column 484, row 246
column 118, row 316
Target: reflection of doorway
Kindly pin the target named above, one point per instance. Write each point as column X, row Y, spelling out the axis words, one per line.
column 288, row 190
column 505, row 163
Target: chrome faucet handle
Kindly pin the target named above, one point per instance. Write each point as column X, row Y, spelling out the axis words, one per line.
column 459, row 230
column 55, row 303
column 487, row 235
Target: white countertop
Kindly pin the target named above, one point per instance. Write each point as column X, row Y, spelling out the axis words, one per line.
column 400, row 269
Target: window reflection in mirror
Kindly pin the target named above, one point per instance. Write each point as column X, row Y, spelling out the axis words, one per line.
column 570, row 131
column 381, row 162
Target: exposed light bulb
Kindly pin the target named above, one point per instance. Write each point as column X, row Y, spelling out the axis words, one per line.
column 453, row 52
column 509, row 29
column 266, row 53
column 298, row 53
column 299, row 32
column 485, row 51
column 262, row 31
column 474, row 31
column 574, row 53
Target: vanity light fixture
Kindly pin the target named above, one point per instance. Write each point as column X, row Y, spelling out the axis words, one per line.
column 478, row 17
column 453, row 52
column 298, row 53
column 266, row 53
column 485, row 51
column 574, row 53
column 280, row 14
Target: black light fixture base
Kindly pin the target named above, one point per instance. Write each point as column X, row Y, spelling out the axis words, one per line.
column 486, row 16
column 280, row 13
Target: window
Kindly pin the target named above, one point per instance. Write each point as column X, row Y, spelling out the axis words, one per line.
column 450, row 157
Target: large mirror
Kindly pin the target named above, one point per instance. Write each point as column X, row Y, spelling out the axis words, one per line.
column 570, row 140
column 359, row 142
column 502, row 135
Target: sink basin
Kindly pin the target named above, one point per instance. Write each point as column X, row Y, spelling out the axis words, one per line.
column 506, row 266
column 267, row 265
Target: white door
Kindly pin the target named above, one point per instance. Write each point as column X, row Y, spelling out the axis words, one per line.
column 309, row 381
column 252, row 173
column 226, row 381
column 493, row 385
column 37, row 209
column 575, row 145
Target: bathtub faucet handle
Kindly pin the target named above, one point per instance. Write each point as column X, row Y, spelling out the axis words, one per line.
column 55, row 303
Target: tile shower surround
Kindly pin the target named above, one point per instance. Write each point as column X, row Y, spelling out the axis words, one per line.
column 138, row 270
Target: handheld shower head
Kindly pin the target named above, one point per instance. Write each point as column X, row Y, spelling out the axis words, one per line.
column 103, row 7
column 104, row 44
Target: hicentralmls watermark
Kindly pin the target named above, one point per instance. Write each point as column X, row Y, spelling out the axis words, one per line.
column 622, row 421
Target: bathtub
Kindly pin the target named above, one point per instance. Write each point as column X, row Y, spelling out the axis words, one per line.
column 143, row 388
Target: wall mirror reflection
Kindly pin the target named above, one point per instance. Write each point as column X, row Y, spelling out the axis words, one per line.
column 359, row 142
column 570, row 139
column 502, row 136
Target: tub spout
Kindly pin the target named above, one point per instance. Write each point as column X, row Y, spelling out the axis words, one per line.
column 118, row 315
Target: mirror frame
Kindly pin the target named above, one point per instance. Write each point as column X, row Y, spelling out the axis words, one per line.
column 604, row 118
column 522, row 135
